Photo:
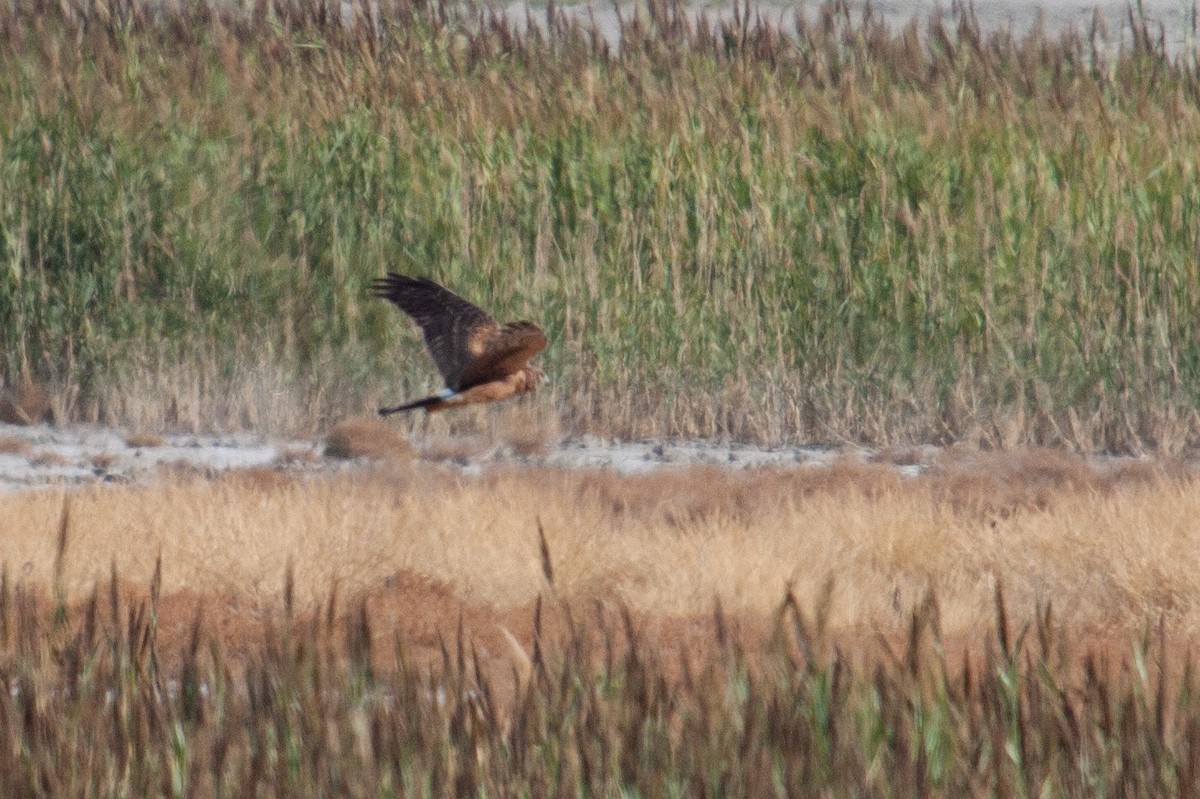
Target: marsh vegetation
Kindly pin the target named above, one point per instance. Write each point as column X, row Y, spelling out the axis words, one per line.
column 924, row 234
column 1005, row 624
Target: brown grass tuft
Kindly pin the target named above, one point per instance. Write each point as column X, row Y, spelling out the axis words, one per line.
column 140, row 440
column 47, row 458
column 364, row 437
column 11, row 445
column 28, row 403
column 103, row 460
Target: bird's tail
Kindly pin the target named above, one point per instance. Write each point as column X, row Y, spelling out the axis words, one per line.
column 430, row 404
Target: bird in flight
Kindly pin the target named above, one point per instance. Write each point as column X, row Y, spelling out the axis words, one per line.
column 480, row 359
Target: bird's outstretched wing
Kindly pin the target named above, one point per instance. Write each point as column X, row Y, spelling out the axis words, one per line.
column 467, row 344
column 456, row 332
column 509, row 349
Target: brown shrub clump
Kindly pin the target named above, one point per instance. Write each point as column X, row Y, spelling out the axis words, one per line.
column 364, row 437
column 140, row 440
column 25, row 404
column 11, row 445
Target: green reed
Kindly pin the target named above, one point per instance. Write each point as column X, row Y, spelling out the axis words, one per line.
column 850, row 233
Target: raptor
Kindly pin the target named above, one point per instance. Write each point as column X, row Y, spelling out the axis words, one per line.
column 480, row 359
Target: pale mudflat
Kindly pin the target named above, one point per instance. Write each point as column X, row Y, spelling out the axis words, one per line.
column 78, row 455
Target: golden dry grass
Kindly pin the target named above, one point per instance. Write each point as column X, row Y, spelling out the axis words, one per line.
column 143, row 439
column 1109, row 549
column 407, row 684
column 365, row 437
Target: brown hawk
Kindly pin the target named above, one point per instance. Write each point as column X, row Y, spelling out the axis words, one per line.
column 480, row 359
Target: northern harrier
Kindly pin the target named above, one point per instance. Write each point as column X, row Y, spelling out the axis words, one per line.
column 480, row 359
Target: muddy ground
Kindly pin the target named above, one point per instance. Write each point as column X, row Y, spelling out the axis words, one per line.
column 77, row 455
column 41, row 455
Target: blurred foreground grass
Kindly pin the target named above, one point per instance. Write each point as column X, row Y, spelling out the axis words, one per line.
column 847, row 234
column 1005, row 624
column 93, row 704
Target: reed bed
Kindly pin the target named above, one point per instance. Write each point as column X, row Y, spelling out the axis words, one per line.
column 90, row 708
column 845, row 233
column 1008, row 624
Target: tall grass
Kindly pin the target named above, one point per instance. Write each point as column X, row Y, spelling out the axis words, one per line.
column 706, row 633
column 850, row 232
column 91, row 707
